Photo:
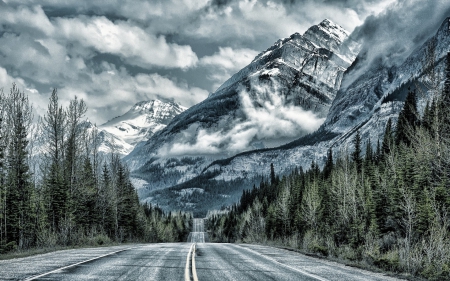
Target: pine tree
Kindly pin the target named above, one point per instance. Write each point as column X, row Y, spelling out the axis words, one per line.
column 273, row 179
column 388, row 138
column 55, row 184
column 19, row 189
column 444, row 106
column 408, row 120
column 356, row 155
column 328, row 164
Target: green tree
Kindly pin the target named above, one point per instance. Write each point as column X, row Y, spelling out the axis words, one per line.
column 19, row 193
column 408, row 120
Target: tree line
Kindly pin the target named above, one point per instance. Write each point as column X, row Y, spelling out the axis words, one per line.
column 383, row 205
column 69, row 194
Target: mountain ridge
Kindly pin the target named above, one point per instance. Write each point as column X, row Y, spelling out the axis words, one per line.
column 284, row 93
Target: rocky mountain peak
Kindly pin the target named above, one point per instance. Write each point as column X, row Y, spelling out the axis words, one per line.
column 327, row 35
column 143, row 120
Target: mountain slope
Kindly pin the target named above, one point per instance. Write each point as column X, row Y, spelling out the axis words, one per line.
column 284, row 93
column 293, row 82
column 365, row 105
column 141, row 121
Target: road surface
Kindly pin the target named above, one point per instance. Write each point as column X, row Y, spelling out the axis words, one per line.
column 198, row 235
column 180, row 261
column 168, row 262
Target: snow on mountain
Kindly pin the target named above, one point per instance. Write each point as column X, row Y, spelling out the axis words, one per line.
column 141, row 122
column 283, row 94
column 119, row 135
column 365, row 105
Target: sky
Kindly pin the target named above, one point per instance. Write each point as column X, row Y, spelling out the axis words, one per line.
column 115, row 53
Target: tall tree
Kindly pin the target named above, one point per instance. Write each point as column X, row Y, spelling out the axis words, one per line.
column 388, row 137
column 444, row 105
column 19, row 188
column 54, row 126
column 408, row 120
column 356, row 155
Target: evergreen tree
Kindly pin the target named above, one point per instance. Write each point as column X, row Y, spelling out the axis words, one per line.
column 408, row 120
column 444, row 106
column 273, row 179
column 328, row 164
column 356, row 155
column 56, row 187
column 19, row 189
column 388, row 137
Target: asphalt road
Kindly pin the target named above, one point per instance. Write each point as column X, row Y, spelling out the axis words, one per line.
column 194, row 260
column 174, row 262
column 198, row 235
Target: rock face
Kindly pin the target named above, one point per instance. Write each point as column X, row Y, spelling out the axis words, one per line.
column 365, row 105
column 283, row 94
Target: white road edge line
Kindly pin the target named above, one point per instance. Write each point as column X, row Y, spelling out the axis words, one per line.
column 285, row 265
column 187, row 275
column 194, row 270
column 75, row 264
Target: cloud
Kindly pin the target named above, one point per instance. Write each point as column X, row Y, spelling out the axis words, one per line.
column 126, row 40
column 389, row 37
column 268, row 118
column 223, row 64
column 38, row 102
column 113, row 91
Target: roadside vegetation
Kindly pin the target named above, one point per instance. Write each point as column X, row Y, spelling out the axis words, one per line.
column 386, row 209
column 63, row 192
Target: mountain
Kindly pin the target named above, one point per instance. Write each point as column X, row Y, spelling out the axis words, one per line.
column 365, row 104
column 138, row 124
column 283, row 94
column 119, row 135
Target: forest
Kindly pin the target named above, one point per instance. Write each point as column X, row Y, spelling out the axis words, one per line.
column 58, row 190
column 382, row 206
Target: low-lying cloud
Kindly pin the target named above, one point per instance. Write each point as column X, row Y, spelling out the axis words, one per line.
column 389, row 37
column 268, row 119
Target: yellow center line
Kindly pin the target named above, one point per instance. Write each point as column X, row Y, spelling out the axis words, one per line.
column 194, row 270
column 187, row 275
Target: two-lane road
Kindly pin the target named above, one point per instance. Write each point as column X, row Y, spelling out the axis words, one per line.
column 167, row 261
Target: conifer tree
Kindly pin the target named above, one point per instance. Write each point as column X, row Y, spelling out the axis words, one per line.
column 19, row 189
column 408, row 120
column 56, row 187
column 388, row 137
column 444, row 105
column 356, row 155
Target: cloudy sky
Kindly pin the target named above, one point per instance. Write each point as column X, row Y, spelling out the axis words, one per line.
column 118, row 52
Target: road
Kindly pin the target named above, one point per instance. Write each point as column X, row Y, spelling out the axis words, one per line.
column 180, row 261
column 198, row 235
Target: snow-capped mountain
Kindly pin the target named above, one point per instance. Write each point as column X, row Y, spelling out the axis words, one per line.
column 365, row 105
column 283, row 94
column 141, row 122
column 119, row 135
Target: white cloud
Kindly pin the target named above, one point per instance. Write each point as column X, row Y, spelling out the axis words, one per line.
column 390, row 36
column 38, row 101
column 268, row 118
column 115, row 91
column 223, row 64
column 126, row 40
column 24, row 18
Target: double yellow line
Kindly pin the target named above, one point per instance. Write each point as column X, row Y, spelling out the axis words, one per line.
column 187, row 275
